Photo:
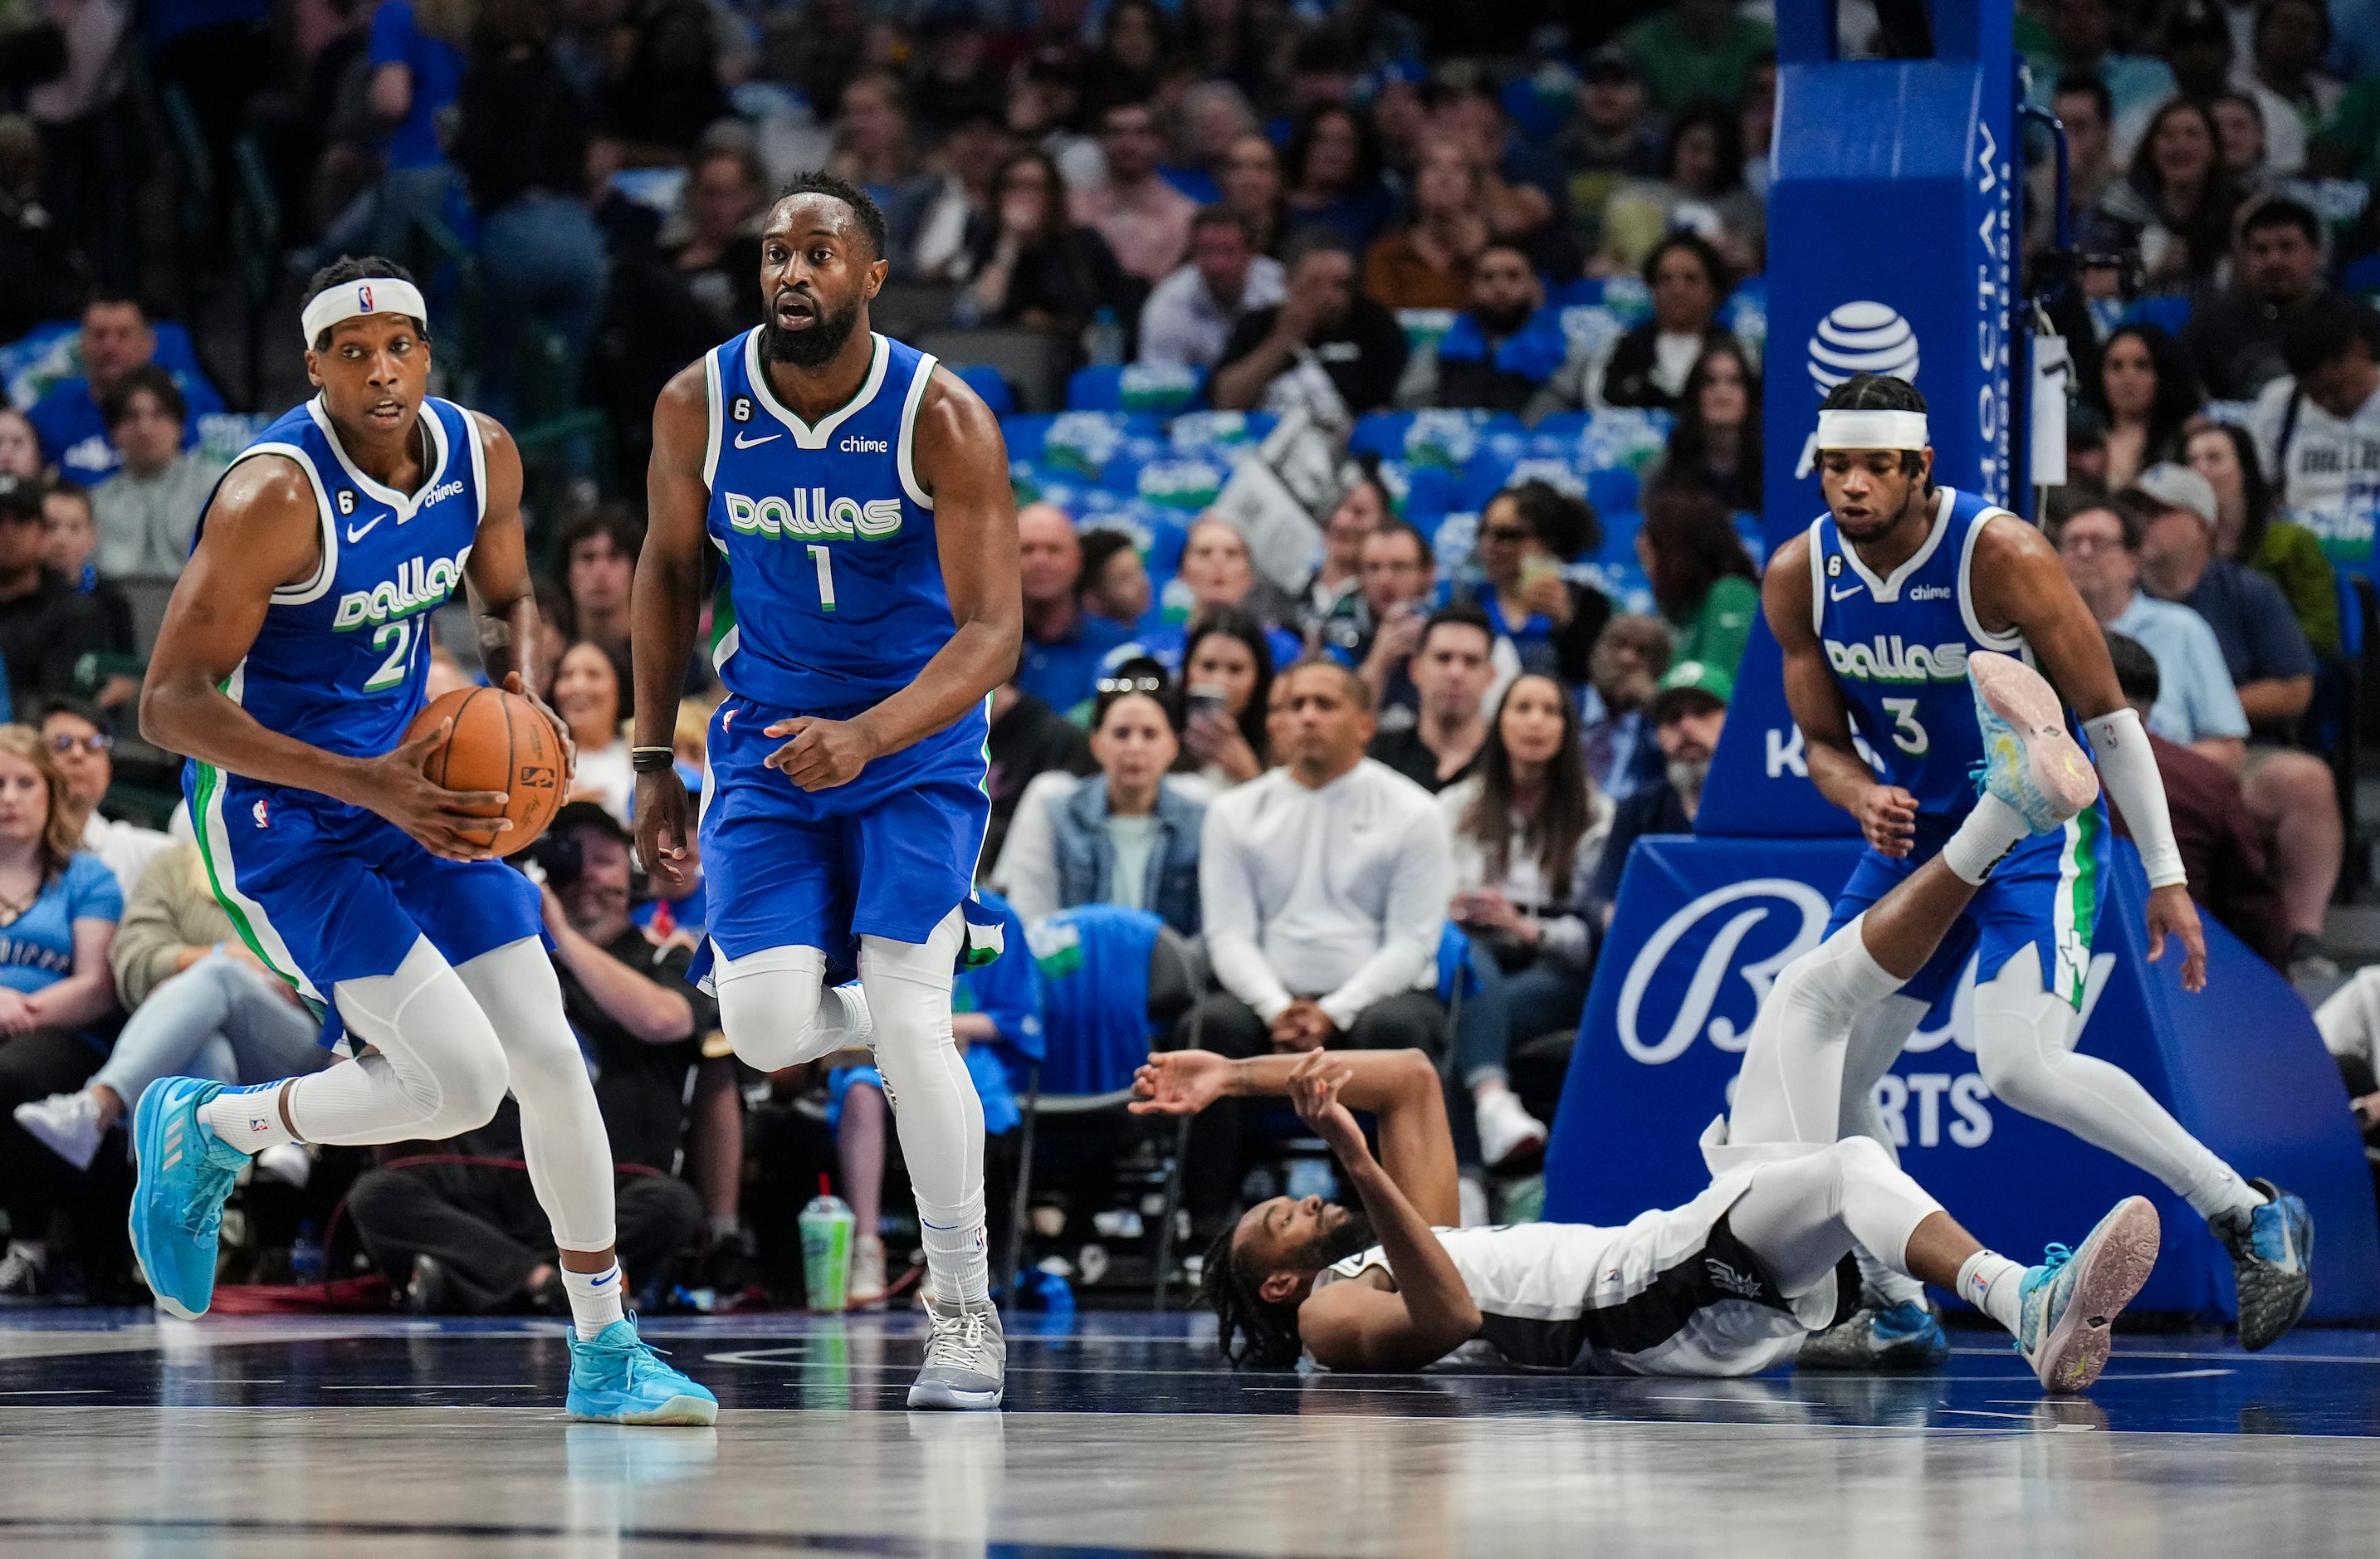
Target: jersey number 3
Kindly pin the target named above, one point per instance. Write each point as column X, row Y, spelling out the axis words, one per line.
column 1907, row 734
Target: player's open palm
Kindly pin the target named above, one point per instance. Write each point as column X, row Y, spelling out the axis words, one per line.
column 665, row 840
column 1179, row 1082
column 455, row 824
column 1314, row 1093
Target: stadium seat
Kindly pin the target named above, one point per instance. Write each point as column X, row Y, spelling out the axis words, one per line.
column 1093, row 1047
column 1138, row 386
column 986, row 381
column 1033, row 362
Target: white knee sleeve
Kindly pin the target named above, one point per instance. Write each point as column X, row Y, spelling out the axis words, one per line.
column 1792, row 1084
column 776, row 1012
column 562, row 1140
column 934, row 1103
column 439, row 1070
column 2022, row 1035
column 1879, row 1036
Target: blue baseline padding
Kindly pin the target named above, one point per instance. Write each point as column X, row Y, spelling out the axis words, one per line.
column 1705, row 924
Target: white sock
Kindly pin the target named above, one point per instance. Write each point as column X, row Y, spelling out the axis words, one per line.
column 1992, row 830
column 956, row 1262
column 858, row 1022
column 2228, row 1194
column 594, row 1298
column 1990, row 1282
column 1893, row 1287
column 246, row 1118
column 725, row 1226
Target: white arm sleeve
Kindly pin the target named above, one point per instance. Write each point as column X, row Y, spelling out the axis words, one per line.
column 2130, row 771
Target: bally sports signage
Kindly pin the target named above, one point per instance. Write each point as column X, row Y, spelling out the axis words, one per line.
column 1704, row 927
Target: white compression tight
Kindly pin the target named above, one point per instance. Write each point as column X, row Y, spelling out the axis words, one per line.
column 1802, row 1215
column 1792, row 1086
column 771, row 1004
column 448, row 1042
column 2023, row 1039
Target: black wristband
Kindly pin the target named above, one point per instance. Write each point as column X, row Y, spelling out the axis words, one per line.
column 651, row 760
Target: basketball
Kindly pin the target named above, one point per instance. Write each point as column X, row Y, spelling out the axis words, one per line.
column 500, row 741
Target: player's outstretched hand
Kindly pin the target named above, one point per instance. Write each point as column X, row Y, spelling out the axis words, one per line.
column 513, row 683
column 822, row 753
column 1314, row 1092
column 456, row 824
column 2171, row 910
column 1888, row 815
column 664, row 843
column 1179, row 1082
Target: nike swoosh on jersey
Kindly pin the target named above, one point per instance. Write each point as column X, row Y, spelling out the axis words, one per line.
column 1842, row 594
column 743, row 443
column 356, row 533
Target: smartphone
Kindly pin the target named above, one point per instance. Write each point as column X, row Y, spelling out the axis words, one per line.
column 1538, row 568
column 1205, row 698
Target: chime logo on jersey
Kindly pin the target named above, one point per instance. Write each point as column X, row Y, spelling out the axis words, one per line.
column 810, row 515
column 1888, row 660
column 419, row 587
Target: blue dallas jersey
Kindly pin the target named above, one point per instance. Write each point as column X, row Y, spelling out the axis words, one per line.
column 832, row 599
column 342, row 657
column 1898, row 647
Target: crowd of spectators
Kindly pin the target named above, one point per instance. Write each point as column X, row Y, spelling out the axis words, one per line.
column 1390, row 798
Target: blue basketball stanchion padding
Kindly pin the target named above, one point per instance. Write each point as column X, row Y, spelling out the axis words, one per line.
column 1703, row 928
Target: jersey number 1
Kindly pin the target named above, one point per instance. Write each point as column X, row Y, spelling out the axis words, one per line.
column 825, row 561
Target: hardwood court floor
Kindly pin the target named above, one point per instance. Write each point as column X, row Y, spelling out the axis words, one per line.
column 257, row 1438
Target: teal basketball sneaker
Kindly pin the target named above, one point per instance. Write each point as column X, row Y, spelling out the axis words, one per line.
column 2030, row 761
column 2066, row 1303
column 186, row 1176
column 618, row 1378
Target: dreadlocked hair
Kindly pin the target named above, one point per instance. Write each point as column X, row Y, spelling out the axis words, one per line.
column 1271, row 1329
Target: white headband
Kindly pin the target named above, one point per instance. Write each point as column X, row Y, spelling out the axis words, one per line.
column 370, row 295
column 1872, row 430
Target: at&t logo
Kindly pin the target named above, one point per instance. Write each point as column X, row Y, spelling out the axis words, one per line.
column 1861, row 337
column 1702, row 991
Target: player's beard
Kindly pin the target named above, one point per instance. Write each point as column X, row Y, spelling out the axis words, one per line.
column 813, row 347
column 1350, row 1238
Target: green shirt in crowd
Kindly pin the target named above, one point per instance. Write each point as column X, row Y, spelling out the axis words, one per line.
column 1720, row 625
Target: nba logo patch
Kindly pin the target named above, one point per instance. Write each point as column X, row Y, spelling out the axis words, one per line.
column 363, row 299
column 257, row 811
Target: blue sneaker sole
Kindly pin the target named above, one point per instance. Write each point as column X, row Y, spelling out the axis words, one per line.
column 697, row 1412
column 146, row 1118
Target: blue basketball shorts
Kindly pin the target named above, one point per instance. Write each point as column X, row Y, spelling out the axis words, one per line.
column 324, row 891
column 890, row 854
column 2045, row 893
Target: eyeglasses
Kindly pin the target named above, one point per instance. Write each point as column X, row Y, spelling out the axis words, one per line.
column 95, row 744
column 1128, row 684
column 1504, row 534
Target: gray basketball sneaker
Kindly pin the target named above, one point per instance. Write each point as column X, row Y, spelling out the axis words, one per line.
column 966, row 1358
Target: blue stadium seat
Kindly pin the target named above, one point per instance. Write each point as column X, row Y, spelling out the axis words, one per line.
column 988, row 382
column 1136, row 387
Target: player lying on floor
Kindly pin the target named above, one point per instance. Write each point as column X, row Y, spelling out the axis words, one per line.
column 1729, row 1284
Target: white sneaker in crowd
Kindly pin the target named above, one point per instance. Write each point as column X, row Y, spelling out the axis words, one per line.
column 1507, row 1130
column 67, row 1124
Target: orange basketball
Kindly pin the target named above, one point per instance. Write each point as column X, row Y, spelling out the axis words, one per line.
column 500, row 742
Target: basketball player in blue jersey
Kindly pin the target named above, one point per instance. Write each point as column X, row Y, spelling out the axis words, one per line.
column 291, row 660
column 858, row 496
column 1878, row 608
